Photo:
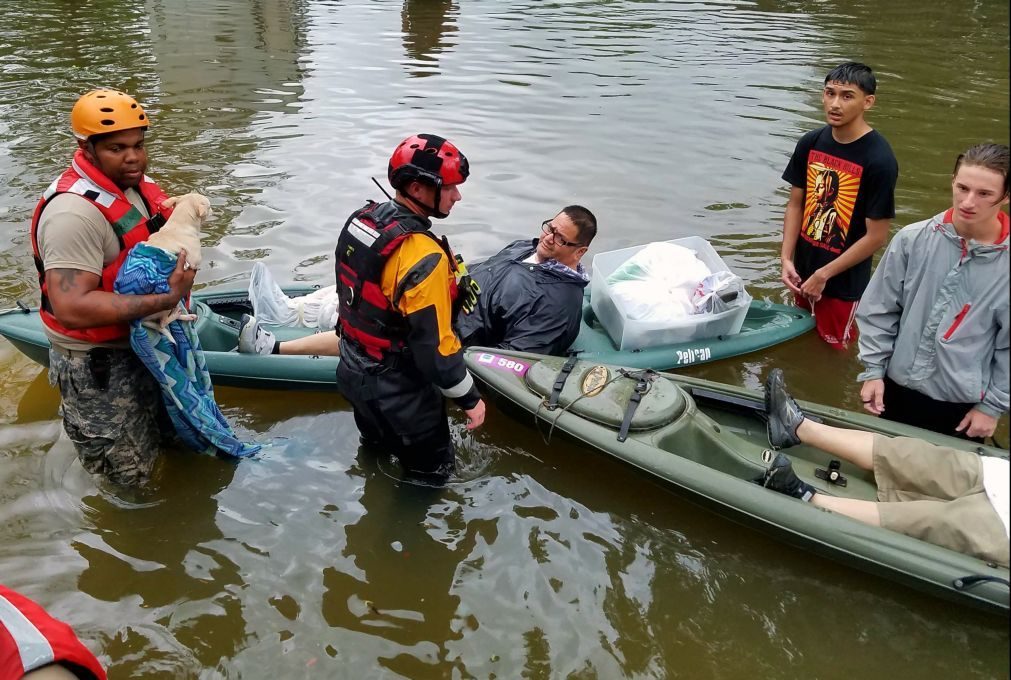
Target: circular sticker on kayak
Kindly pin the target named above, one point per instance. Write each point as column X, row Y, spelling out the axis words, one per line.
column 594, row 380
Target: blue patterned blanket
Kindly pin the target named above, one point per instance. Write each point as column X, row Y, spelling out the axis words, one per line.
column 178, row 366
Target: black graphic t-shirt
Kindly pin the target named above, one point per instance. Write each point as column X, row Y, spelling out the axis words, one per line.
column 844, row 185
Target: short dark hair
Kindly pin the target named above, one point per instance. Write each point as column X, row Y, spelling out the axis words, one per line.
column 854, row 73
column 586, row 223
column 991, row 156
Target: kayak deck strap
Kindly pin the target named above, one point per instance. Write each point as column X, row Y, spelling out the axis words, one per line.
column 644, row 381
column 606, row 396
column 559, row 385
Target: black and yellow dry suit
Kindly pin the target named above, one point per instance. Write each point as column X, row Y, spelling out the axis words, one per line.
column 400, row 357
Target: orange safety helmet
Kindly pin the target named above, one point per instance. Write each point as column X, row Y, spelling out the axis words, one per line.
column 105, row 110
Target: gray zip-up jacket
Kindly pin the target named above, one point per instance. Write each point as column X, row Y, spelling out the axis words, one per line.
column 935, row 316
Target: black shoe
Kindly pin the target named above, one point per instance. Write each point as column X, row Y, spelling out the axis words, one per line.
column 784, row 414
column 781, row 477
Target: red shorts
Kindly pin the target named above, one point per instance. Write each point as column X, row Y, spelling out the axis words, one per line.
column 834, row 319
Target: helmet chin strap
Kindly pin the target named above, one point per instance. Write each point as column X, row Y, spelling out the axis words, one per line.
column 431, row 210
column 438, row 202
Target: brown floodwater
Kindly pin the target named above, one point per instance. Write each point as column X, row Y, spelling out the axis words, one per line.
column 540, row 560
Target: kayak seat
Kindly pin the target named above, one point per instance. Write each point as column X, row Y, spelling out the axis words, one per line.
column 220, row 332
column 217, row 333
column 663, row 403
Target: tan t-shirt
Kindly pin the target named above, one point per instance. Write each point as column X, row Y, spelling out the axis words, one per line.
column 73, row 234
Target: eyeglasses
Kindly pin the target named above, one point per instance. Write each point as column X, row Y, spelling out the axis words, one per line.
column 553, row 233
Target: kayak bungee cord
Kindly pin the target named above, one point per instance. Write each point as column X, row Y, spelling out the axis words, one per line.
column 647, row 374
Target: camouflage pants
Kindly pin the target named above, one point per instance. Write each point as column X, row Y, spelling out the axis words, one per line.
column 116, row 427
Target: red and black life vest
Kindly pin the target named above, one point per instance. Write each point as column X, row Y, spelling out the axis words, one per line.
column 128, row 223
column 30, row 639
column 368, row 239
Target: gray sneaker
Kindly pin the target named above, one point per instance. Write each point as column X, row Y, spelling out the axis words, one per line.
column 253, row 338
column 783, row 412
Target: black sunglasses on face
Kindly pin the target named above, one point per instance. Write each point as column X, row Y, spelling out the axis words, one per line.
column 553, row 233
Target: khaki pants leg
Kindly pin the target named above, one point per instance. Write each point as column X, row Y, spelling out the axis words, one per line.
column 907, row 469
column 936, row 494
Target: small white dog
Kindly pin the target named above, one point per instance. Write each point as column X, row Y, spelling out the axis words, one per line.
column 180, row 232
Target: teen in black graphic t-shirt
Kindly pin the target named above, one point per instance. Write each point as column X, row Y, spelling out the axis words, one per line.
column 844, row 185
column 841, row 202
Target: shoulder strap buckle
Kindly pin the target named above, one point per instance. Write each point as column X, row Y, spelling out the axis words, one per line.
column 155, row 222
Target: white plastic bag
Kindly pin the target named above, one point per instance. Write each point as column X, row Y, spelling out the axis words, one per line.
column 649, row 302
column 719, row 292
column 656, row 284
column 271, row 306
column 663, row 263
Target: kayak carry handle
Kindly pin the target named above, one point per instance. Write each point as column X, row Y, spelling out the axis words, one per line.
column 967, row 582
column 21, row 307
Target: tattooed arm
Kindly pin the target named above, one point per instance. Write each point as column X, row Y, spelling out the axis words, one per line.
column 78, row 303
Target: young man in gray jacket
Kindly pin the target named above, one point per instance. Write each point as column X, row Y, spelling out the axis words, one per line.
column 934, row 319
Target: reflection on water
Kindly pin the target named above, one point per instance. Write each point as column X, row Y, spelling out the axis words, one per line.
column 160, row 551
column 425, row 26
column 313, row 559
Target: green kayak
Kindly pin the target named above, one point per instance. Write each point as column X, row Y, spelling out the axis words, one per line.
column 707, row 441
column 218, row 315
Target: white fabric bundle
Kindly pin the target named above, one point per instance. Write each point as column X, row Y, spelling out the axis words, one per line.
column 271, row 306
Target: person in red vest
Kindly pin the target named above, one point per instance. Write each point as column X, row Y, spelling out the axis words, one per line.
column 35, row 646
column 82, row 228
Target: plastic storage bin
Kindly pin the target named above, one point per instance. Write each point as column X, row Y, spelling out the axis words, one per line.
column 630, row 334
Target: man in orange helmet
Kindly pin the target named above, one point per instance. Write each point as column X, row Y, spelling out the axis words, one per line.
column 82, row 228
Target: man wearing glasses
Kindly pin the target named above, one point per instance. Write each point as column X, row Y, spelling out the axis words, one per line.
column 531, row 296
column 532, row 290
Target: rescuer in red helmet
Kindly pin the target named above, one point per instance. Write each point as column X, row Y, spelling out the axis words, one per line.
column 399, row 286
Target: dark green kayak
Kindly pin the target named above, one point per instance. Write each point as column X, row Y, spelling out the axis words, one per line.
column 707, row 441
column 218, row 315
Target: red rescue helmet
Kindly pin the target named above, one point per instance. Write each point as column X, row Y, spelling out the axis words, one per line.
column 429, row 159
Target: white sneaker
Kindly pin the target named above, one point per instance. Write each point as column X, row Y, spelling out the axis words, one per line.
column 254, row 339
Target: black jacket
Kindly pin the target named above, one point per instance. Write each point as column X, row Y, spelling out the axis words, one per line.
column 522, row 306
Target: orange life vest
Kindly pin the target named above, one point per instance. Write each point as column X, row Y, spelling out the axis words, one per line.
column 129, row 224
